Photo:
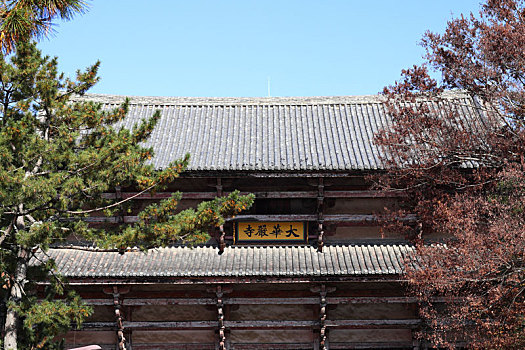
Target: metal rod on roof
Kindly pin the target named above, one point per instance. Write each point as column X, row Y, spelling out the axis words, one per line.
column 269, row 95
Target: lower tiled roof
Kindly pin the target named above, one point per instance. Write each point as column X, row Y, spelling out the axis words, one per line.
column 236, row 261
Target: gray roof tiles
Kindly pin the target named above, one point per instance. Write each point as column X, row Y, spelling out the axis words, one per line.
column 236, row 261
column 266, row 134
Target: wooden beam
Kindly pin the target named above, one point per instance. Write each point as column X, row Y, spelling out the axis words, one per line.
column 170, row 301
column 260, row 194
column 346, row 218
column 258, row 324
column 255, row 301
column 372, row 345
column 168, row 346
column 283, row 346
column 363, row 194
column 343, row 219
column 370, row 300
column 357, row 219
column 407, row 323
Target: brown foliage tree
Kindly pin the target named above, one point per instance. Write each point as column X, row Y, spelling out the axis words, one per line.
column 459, row 157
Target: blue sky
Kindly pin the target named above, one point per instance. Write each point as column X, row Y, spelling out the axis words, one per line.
column 231, row 48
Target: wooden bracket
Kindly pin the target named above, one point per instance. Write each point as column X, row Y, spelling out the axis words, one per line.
column 224, row 290
column 111, row 290
column 321, row 288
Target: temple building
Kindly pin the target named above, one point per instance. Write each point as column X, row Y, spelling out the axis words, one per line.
column 307, row 267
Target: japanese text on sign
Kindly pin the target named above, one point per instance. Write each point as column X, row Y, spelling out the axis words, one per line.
column 270, row 231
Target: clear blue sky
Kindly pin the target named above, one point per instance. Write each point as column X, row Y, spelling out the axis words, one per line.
column 231, row 47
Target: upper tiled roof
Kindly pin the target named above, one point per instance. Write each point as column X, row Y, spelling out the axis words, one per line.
column 267, row 134
column 236, row 261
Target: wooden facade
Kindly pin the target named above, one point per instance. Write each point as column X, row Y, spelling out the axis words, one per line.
column 340, row 288
column 337, row 311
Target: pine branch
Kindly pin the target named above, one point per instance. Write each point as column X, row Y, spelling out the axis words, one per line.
column 80, row 212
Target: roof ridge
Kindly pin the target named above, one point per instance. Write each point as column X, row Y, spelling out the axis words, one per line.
column 233, row 101
column 243, row 101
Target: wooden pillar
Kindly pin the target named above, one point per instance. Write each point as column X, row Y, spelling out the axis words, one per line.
column 222, row 341
column 322, row 318
column 219, row 187
column 222, row 243
column 116, row 293
column 129, row 331
column 320, row 215
column 322, row 343
column 118, row 197
column 220, row 318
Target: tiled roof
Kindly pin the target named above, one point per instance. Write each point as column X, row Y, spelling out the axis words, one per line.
column 267, row 134
column 236, row 261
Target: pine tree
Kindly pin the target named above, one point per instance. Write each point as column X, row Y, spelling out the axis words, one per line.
column 57, row 156
column 21, row 20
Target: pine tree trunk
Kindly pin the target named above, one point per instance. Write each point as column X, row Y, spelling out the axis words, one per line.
column 12, row 320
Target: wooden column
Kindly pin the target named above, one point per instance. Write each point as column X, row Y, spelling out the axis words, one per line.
column 220, row 319
column 118, row 197
column 320, row 215
column 116, row 293
column 222, row 243
column 322, row 318
column 218, row 186
column 219, row 293
column 322, row 343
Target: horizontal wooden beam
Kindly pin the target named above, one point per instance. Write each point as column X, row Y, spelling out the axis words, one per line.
column 171, row 346
column 283, row 346
column 328, row 218
column 407, row 323
column 373, row 345
column 170, row 301
column 258, row 324
column 343, row 219
column 253, row 301
column 258, row 194
column 363, row 194
column 269, row 346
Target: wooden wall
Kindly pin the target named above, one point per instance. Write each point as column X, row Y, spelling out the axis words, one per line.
column 257, row 315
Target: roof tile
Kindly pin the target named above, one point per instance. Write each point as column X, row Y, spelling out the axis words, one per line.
column 268, row 134
column 236, row 261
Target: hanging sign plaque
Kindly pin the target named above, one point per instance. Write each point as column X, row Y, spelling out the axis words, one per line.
column 268, row 231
